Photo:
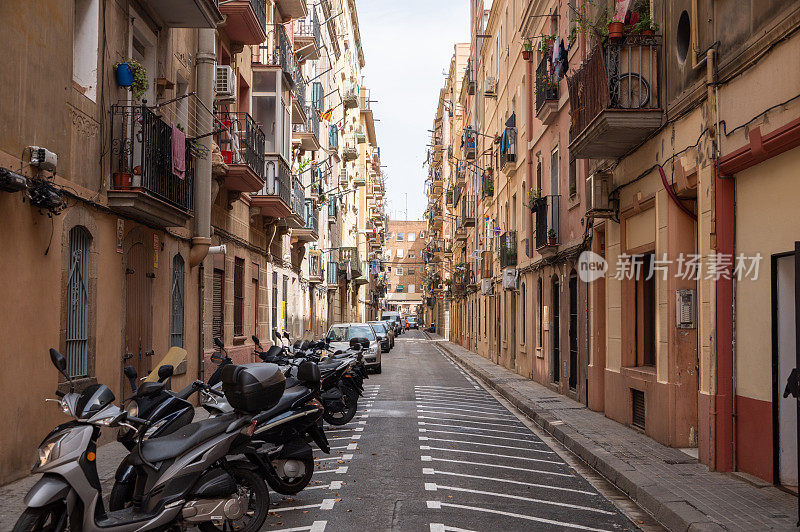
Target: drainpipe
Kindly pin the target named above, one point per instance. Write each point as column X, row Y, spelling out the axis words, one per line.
column 201, row 241
column 531, row 91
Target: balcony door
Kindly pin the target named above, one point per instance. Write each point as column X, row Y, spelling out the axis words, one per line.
column 138, row 308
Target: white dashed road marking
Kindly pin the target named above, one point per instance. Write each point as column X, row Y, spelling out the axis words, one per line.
column 437, row 505
column 431, row 459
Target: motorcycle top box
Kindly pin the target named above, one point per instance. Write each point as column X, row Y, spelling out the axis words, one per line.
column 253, row 387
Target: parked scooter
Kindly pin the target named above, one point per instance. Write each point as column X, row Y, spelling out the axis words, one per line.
column 186, row 478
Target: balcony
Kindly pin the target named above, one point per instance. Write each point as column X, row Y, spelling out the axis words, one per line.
column 308, row 37
column 296, row 218
column 508, row 249
column 245, row 20
column 487, row 265
column 332, row 210
column 143, row 184
column 308, row 132
column 546, row 93
column 615, row 98
column 187, row 13
column 275, row 198
column 508, row 149
column 242, row 147
column 487, row 186
column 470, row 143
column 348, row 256
column 350, row 150
column 299, row 108
column 469, row 78
column 547, row 225
column 315, row 266
column 309, row 232
column 351, row 99
column 277, row 52
column 332, row 273
column 468, row 210
column 292, row 9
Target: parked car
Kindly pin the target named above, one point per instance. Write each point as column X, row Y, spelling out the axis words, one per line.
column 413, row 323
column 340, row 335
column 382, row 332
column 392, row 332
column 395, row 318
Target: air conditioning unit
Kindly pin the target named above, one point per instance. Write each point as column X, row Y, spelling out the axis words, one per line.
column 491, row 86
column 486, row 287
column 598, row 204
column 224, row 83
column 510, row 277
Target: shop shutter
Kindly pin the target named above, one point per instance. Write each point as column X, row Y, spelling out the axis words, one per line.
column 637, row 397
column 218, row 305
column 238, row 297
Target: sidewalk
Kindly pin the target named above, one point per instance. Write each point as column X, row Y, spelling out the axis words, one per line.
column 673, row 487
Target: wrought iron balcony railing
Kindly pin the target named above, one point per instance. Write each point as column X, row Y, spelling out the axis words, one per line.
column 311, row 124
column 547, row 221
column 277, row 51
column 312, row 215
column 349, row 255
column 546, row 86
column 142, row 158
column 278, row 180
column 298, row 198
column 242, row 142
column 508, row 249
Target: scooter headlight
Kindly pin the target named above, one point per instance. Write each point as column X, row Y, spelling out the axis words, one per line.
column 133, row 409
column 50, row 449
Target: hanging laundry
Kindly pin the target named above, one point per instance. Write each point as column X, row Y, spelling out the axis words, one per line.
column 556, row 50
column 178, row 152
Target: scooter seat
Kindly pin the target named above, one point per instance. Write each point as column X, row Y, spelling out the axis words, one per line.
column 289, row 396
column 180, row 441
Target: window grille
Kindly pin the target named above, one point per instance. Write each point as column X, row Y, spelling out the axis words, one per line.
column 176, row 326
column 78, row 303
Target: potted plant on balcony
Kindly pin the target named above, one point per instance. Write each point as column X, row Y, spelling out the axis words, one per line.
column 551, row 237
column 615, row 29
column 527, row 50
column 535, row 199
column 132, row 75
column 646, row 26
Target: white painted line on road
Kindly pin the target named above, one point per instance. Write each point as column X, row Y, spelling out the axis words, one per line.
column 432, row 471
column 346, row 429
column 326, row 504
column 480, row 435
column 464, row 393
column 476, row 428
column 430, row 486
column 511, row 424
column 443, row 412
column 335, row 485
column 426, row 438
column 429, row 448
column 437, row 505
column 343, row 457
column 456, row 398
column 316, row 526
column 431, row 386
column 339, row 470
column 348, row 447
column 439, row 527
column 431, row 459
column 465, row 406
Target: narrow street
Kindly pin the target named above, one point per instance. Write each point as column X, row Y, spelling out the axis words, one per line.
column 432, row 450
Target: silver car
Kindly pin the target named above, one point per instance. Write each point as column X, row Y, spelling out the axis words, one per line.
column 340, row 335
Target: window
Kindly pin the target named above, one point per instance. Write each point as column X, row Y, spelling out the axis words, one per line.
column 77, row 347
column 645, row 301
column 238, row 297
column 410, row 237
column 255, row 304
column 284, row 309
column 399, row 270
column 218, row 305
column 573, row 330
column 524, row 322
column 399, row 237
column 554, row 172
column 400, row 253
column 555, row 335
column 176, row 315
column 411, row 271
column 422, row 234
column 399, row 288
column 85, row 43
column 541, row 313
column 411, row 289
column 411, row 255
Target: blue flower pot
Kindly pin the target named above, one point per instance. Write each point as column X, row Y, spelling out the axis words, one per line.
column 124, row 75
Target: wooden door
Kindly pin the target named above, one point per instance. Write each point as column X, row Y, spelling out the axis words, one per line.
column 138, row 309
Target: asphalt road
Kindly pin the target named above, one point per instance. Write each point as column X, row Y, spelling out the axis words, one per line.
column 431, row 450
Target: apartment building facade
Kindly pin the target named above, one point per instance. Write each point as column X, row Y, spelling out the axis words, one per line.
column 404, row 265
column 648, row 149
column 197, row 166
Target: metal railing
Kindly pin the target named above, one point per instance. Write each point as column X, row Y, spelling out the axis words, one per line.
column 298, row 203
column 311, row 124
column 141, row 153
column 546, row 86
column 349, row 255
column 468, row 210
column 242, row 142
column 309, row 27
column 365, row 101
column 618, row 76
column 508, row 249
column 508, row 146
column 277, row 51
column 278, row 180
column 260, row 9
column 547, row 221
column 487, row 187
column 312, row 215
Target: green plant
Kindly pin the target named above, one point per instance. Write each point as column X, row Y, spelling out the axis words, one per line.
column 572, row 190
column 645, row 24
column 527, row 45
column 551, row 234
column 140, row 83
column 573, row 33
column 546, row 44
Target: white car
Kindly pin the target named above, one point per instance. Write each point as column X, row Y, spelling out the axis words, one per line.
column 340, row 335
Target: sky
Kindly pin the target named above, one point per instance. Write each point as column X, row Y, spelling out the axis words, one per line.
column 407, row 47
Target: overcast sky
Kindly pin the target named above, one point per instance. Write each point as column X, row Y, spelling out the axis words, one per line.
column 407, row 47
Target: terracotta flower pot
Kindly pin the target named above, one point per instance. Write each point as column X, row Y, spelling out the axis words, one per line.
column 648, row 33
column 615, row 30
column 122, row 180
column 527, row 55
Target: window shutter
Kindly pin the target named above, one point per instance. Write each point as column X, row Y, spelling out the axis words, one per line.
column 317, row 96
column 218, row 305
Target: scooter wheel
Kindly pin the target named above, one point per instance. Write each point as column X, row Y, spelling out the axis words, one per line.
column 50, row 517
column 295, row 485
column 251, row 484
column 342, row 417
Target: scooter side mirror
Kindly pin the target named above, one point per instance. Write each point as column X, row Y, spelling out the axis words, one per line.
column 59, row 362
column 286, row 335
column 218, row 343
column 165, row 372
column 256, row 340
column 276, row 336
column 130, row 373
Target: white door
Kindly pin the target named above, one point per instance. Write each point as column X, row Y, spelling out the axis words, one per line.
column 787, row 408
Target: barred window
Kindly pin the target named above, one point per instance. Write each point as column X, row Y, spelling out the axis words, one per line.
column 238, row 297
column 176, row 314
column 78, row 303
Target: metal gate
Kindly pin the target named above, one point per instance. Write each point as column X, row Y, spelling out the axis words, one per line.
column 176, row 324
column 78, row 303
column 138, row 309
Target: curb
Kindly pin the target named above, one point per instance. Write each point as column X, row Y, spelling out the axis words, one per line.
column 670, row 510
